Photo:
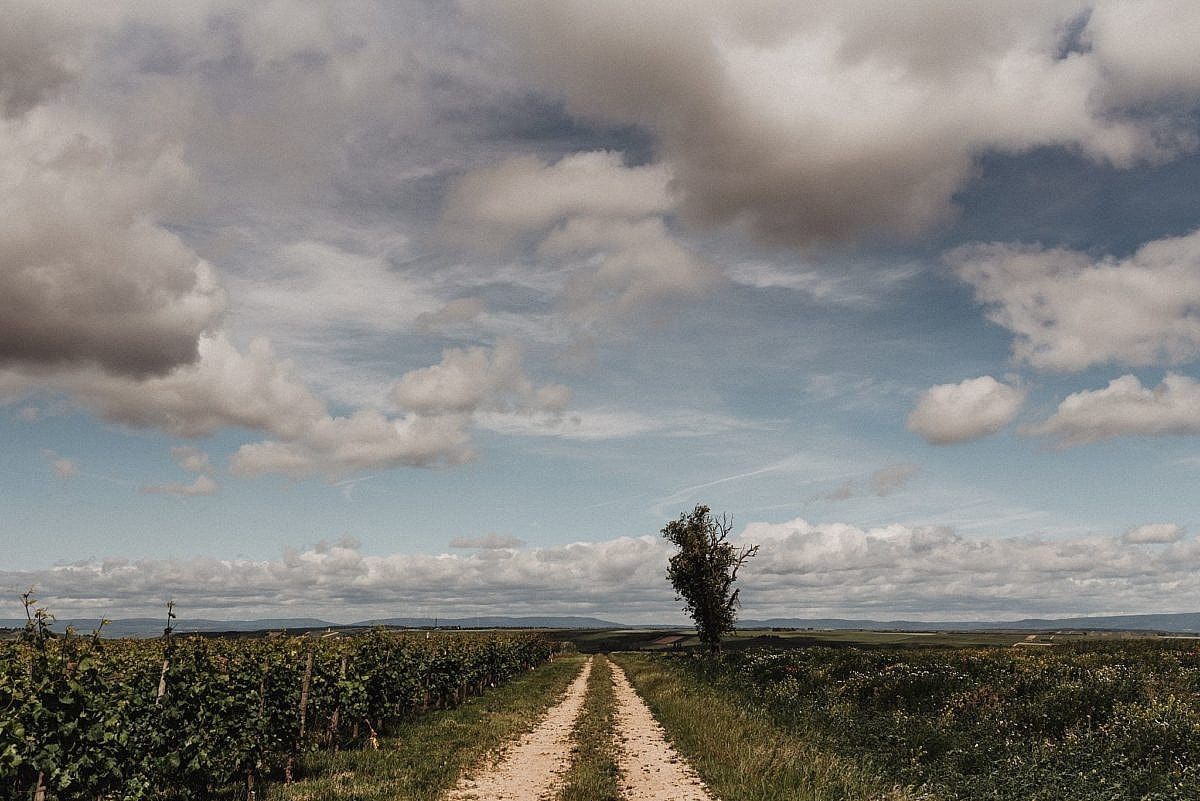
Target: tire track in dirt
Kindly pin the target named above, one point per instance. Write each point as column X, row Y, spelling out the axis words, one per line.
column 651, row 768
column 533, row 767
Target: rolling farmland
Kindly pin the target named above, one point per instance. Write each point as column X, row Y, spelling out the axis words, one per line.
column 390, row 715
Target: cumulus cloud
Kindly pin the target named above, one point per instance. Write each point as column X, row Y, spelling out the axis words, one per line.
column 257, row 391
column 475, row 379
column 487, row 542
column 224, row 387
column 824, row 121
column 203, row 485
column 87, row 273
column 365, row 440
column 440, row 403
column 1154, row 533
column 339, row 580
column 494, row 205
column 802, row 569
column 892, row 570
column 1147, row 57
column 1070, row 310
column 1125, row 408
column 604, row 220
column 970, row 409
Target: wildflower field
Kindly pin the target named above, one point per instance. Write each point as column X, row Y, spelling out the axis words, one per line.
column 1092, row 722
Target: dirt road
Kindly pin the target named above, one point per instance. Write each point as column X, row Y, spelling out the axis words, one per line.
column 534, row 766
column 651, row 769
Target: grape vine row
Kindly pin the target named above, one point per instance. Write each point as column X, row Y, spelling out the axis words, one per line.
column 184, row 718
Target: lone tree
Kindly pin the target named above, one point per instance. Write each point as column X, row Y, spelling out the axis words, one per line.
column 704, row 569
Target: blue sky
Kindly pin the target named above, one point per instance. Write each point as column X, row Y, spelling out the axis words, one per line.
column 386, row 308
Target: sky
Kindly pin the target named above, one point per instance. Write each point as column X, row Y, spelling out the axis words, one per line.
column 360, row 309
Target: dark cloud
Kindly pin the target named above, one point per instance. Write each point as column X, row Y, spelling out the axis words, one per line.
column 830, row 121
column 34, row 56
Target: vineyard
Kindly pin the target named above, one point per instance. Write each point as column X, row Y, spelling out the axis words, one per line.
column 188, row 718
column 1105, row 722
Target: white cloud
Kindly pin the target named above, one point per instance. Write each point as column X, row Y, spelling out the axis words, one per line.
column 365, row 440
column 1154, row 533
column 474, row 379
column 1069, row 310
column 440, row 404
column 970, row 409
column 893, row 570
column 223, row 388
column 1147, row 49
column 493, row 205
column 258, row 392
column 803, row 569
column 1125, row 408
column 823, row 121
column 488, row 542
column 203, row 485
column 639, row 262
column 603, row 219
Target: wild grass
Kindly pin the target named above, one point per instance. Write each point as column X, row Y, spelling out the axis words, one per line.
column 739, row 752
column 594, row 775
column 423, row 757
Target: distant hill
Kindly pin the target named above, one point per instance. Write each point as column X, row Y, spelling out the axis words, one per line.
column 497, row 622
column 1181, row 623
column 153, row 627
column 1185, row 622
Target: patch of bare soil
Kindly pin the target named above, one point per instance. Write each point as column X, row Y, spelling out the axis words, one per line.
column 533, row 767
column 651, row 768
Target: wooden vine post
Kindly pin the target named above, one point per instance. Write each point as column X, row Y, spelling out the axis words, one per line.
column 336, row 718
column 289, row 770
column 162, row 679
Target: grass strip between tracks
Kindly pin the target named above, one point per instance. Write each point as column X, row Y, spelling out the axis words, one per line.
column 739, row 752
column 594, row 775
column 422, row 758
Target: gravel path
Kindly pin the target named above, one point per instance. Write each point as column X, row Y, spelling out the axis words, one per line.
column 533, row 767
column 651, row 769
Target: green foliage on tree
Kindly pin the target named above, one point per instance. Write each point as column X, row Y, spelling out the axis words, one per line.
column 704, row 569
